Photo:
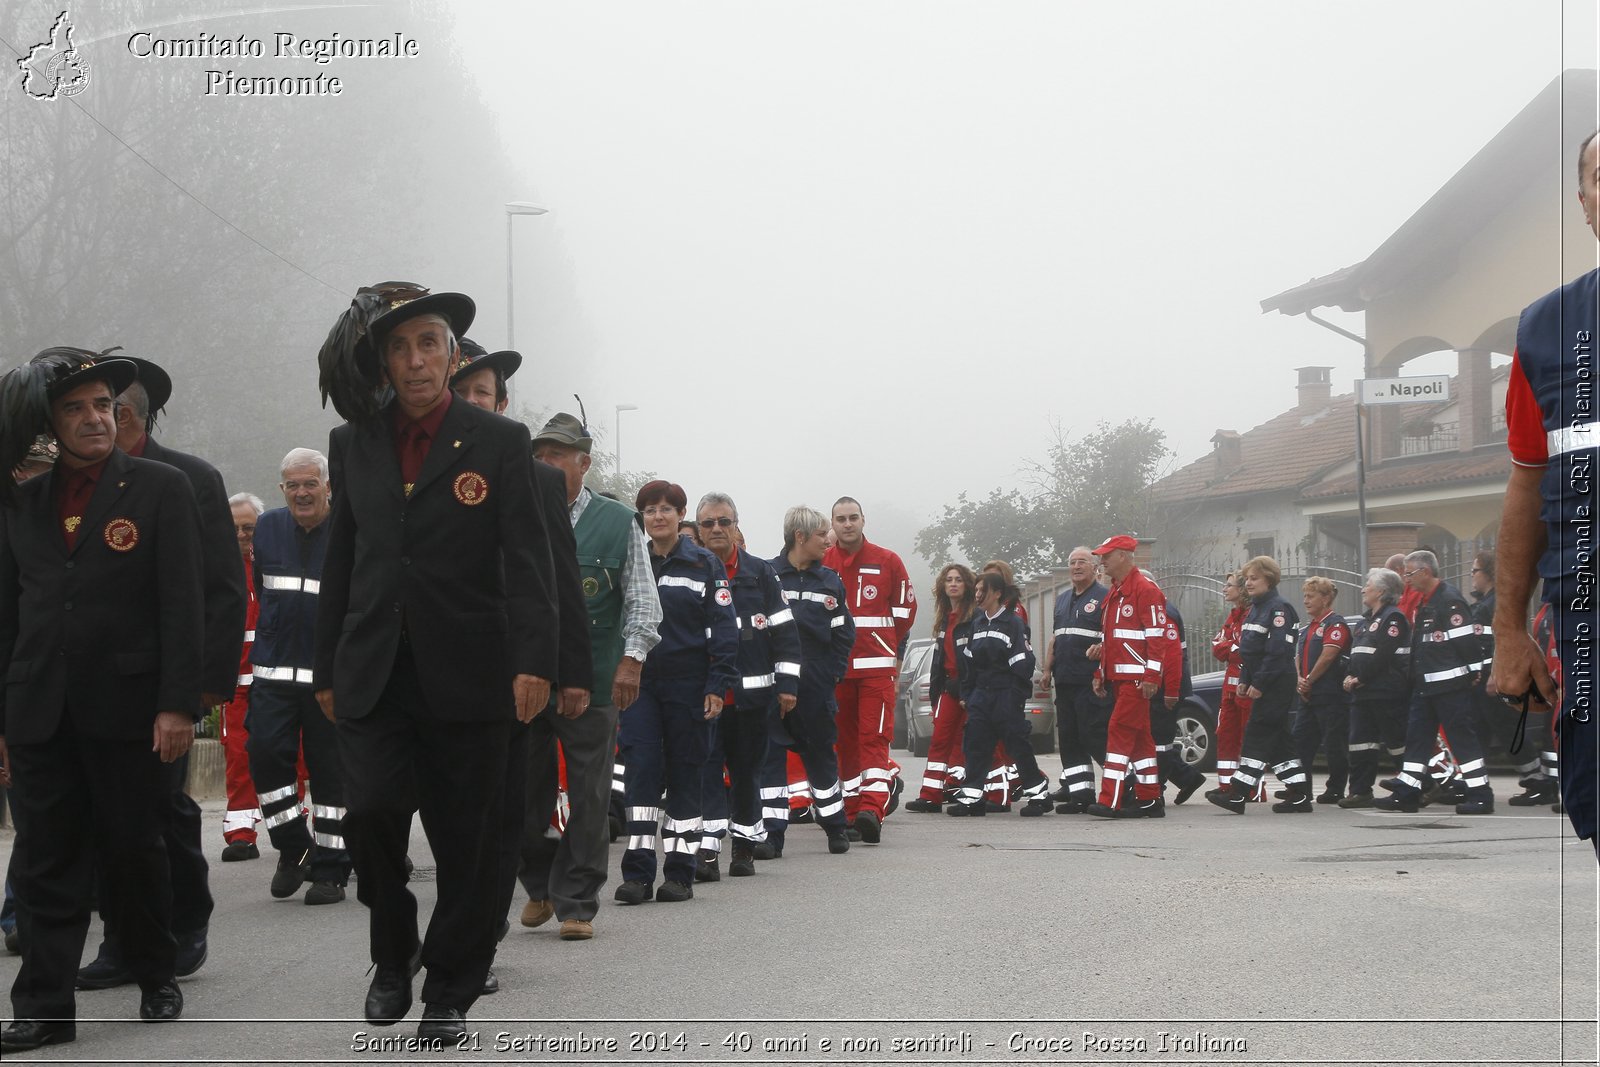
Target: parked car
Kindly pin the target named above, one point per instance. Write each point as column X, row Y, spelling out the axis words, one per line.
column 913, row 713
column 1197, row 721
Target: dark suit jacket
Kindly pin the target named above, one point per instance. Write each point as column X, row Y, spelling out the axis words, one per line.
column 114, row 634
column 457, row 564
column 224, row 569
column 575, row 664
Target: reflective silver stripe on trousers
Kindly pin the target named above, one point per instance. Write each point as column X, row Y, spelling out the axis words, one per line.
column 290, row 584
column 300, row 675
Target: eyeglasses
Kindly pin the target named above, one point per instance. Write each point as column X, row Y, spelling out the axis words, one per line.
column 1409, row 573
column 658, row 509
column 722, row 520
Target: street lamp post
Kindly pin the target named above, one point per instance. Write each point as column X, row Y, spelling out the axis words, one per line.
column 513, row 209
column 616, row 430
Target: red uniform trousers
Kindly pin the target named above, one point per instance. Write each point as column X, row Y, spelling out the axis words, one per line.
column 866, row 725
column 239, row 824
column 1130, row 750
column 1232, row 716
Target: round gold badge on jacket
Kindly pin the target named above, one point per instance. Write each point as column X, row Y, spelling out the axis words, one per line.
column 470, row 488
column 591, row 586
column 121, row 534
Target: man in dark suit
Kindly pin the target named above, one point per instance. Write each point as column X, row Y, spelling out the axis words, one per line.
column 436, row 632
column 100, row 637
column 225, row 603
column 480, row 380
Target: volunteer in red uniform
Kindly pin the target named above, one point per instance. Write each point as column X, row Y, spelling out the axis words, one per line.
column 946, row 767
column 883, row 606
column 244, row 810
column 1133, row 645
column 1234, row 711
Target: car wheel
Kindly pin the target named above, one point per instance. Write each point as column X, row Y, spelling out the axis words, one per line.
column 1194, row 738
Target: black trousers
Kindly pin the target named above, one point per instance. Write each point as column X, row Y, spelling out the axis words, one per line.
column 81, row 804
column 812, row 728
column 569, row 871
column 1453, row 711
column 1081, row 720
column 1268, row 742
column 281, row 721
column 1374, row 727
column 997, row 716
column 401, row 758
column 1324, row 724
column 739, row 743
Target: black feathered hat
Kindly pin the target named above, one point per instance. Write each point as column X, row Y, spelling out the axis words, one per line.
column 26, row 393
column 474, row 358
column 351, row 372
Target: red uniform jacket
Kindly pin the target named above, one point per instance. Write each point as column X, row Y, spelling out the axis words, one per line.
column 1133, row 628
column 1225, row 646
column 882, row 604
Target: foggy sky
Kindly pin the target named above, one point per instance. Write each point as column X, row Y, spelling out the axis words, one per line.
column 879, row 248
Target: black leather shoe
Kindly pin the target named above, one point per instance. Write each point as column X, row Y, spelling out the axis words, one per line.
column 766, row 850
column 743, row 864
column 1037, row 806
column 161, row 1004
column 896, row 787
column 1396, row 804
column 14, row 942
column 633, row 893
column 1536, row 796
column 997, row 808
column 1146, row 809
column 1101, row 811
column 290, row 875
column 389, row 996
column 1061, row 796
column 1476, row 807
column 105, row 971
column 1329, row 796
column 235, row 851
column 1227, row 800
column 927, row 807
column 706, row 867
column 869, row 826
column 837, row 842
column 491, row 984
column 962, row 811
column 674, row 892
column 191, row 952
column 1297, row 804
column 1072, row 807
column 1357, row 800
column 1189, row 790
column 443, row 1024
column 324, row 893
column 851, row 833
column 25, row 1035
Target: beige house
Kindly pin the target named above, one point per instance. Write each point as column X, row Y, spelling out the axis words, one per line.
column 1454, row 278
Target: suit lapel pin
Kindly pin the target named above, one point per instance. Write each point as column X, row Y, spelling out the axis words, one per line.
column 456, row 445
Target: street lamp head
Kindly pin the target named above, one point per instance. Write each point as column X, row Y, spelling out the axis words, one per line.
column 523, row 207
column 627, row 407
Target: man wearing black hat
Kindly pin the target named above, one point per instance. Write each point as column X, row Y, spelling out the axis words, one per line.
column 100, row 635
column 225, row 608
column 621, row 612
column 436, row 631
column 481, row 382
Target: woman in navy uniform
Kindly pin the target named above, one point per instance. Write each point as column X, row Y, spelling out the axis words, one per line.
column 1379, row 681
column 663, row 735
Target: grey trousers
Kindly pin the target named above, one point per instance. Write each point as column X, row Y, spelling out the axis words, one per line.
column 571, row 870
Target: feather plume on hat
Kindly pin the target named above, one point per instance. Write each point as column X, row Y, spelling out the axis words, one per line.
column 25, row 395
column 348, row 362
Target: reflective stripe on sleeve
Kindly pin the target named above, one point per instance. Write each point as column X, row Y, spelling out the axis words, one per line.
column 299, row 675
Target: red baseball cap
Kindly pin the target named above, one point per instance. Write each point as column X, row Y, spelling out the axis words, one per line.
column 1119, row 541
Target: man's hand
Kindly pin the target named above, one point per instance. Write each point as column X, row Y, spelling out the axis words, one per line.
column 1099, row 686
column 531, row 693
column 1303, row 687
column 1350, row 683
column 1093, row 651
column 172, row 734
column 325, row 702
column 1250, row 692
column 1170, row 702
column 572, row 702
column 1519, row 668
column 713, row 706
column 786, row 703
column 625, row 684
column 5, row 764
column 1149, row 689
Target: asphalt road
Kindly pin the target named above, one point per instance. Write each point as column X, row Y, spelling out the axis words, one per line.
column 1341, row 937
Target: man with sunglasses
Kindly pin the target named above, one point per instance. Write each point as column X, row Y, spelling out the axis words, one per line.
column 769, row 673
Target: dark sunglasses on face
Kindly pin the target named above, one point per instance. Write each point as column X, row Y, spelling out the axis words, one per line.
column 706, row 524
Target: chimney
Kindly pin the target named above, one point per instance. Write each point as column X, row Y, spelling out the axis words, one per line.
column 1229, row 450
column 1315, row 388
